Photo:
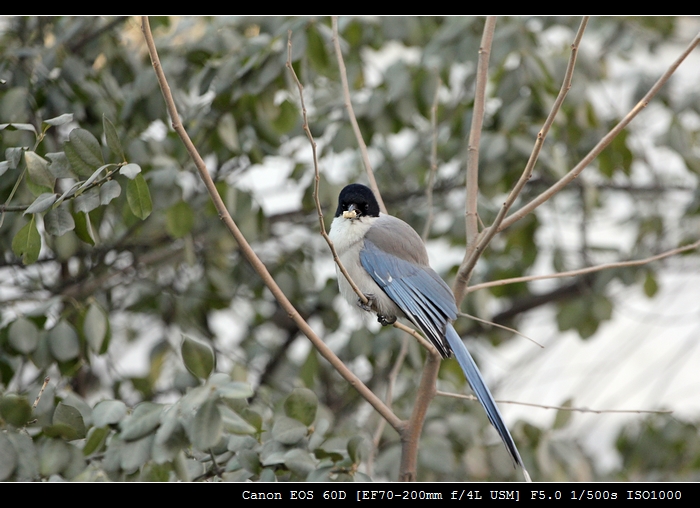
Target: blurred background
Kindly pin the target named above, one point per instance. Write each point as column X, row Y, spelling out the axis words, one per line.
column 164, row 348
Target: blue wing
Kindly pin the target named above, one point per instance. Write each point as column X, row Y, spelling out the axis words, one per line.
column 428, row 302
column 417, row 290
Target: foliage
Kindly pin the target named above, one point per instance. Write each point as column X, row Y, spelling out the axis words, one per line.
column 660, row 448
column 110, row 245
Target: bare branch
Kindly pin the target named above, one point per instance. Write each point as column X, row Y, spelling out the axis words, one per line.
column 583, row 271
column 247, row 250
column 474, row 252
column 424, row 395
column 560, row 408
column 604, row 142
column 317, row 177
column 423, row 342
column 351, row 115
column 41, row 392
column 472, row 182
column 512, row 330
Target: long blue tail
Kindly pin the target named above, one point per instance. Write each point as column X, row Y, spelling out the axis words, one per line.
column 481, row 390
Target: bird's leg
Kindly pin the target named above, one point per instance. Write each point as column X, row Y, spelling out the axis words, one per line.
column 366, row 306
column 369, row 307
column 386, row 321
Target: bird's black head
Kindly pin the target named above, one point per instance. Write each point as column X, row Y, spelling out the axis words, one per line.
column 359, row 198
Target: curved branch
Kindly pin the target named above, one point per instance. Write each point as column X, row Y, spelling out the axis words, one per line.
column 317, row 176
column 247, row 250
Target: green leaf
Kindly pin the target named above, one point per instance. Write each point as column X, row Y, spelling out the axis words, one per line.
column 228, row 133
column 234, row 423
column 287, row 118
column 249, row 460
column 87, row 201
column 96, row 438
column 9, row 458
column 71, row 418
column 94, row 176
column 198, row 357
column 288, row 431
column 650, row 285
column 112, row 138
column 130, row 170
column 144, row 420
column 135, row 454
column 15, row 410
column 83, row 152
column 357, row 449
column 95, row 327
column 54, row 456
column 300, row 462
column 59, row 165
column 27, row 457
column 23, row 335
column 138, row 197
column 170, row 437
column 18, row 127
column 179, row 219
column 235, row 390
column 60, row 120
column 63, row 342
column 59, row 221
column 301, row 405
column 316, row 51
column 13, row 156
column 108, row 191
column 42, row 203
column 563, row 417
column 38, row 170
column 207, row 427
column 108, row 412
column 27, row 243
column 83, row 227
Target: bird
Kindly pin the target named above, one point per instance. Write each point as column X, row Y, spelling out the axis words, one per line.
column 388, row 262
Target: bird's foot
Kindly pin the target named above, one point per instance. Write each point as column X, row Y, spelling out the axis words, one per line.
column 366, row 306
column 386, row 320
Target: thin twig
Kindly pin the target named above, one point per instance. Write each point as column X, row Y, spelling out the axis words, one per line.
column 604, row 142
column 561, row 408
column 317, row 177
column 41, row 392
column 433, row 160
column 351, row 115
column 473, row 254
column 512, row 330
column 425, row 343
column 70, row 194
column 590, row 269
column 247, row 250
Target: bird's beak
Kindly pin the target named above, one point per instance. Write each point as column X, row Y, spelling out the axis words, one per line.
column 351, row 213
